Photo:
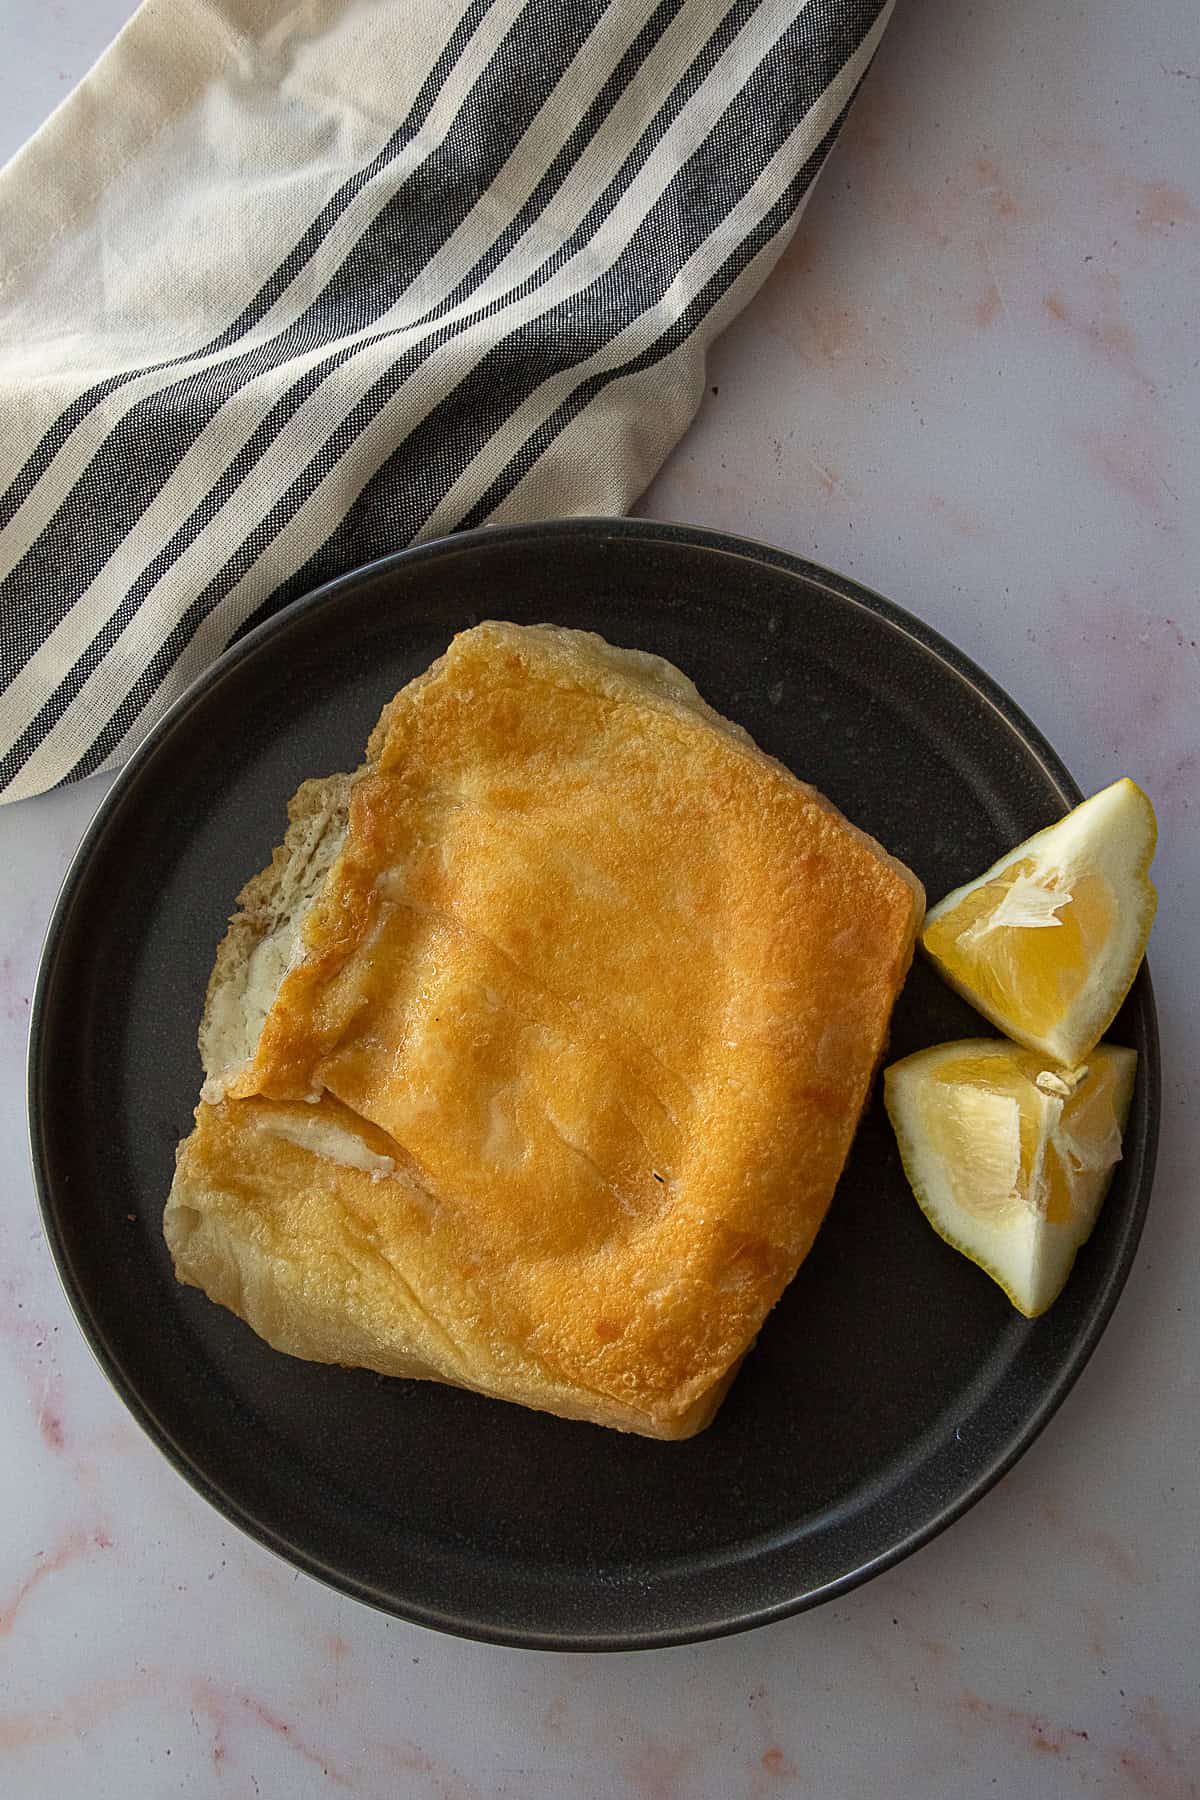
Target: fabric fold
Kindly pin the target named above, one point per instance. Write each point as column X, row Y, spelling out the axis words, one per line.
column 286, row 287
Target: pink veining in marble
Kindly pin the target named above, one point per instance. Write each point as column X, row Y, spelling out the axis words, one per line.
column 229, row 1712
column 1156, row 1758
column 1158, row 206
column 1117, row 1559
column 1140, row 673
column 1128, row 458
column 660, row 1771
column 48, row 1563
column 1095, row 320
column 1042, row 1737
column 962, row 520
column 777, row 1765
column 73, row 1715
column 30, row 1344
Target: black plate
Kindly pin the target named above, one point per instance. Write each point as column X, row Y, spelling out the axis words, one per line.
column 892, row 1384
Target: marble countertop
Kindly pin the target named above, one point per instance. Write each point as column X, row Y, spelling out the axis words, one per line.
column 973, row 384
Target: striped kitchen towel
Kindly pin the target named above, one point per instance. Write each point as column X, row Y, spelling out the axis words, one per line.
column 284, row 286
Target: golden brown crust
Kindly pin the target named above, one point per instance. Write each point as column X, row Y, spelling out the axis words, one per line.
column 611, row 985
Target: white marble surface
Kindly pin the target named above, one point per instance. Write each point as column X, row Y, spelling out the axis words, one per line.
column 973, row 384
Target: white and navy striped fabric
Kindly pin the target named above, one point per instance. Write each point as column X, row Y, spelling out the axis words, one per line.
column 285, row 286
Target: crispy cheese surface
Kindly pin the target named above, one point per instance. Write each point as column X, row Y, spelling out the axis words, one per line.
column 556, row 1090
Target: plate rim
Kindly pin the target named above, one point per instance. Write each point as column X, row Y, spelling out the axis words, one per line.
column 269, row 1535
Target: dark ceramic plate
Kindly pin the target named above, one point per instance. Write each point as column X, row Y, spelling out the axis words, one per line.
column 892, row 1384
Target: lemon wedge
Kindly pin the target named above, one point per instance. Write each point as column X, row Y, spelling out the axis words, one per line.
column 1010, row 1159
column 1047, row 941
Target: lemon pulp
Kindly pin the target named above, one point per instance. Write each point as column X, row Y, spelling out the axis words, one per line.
column 1032, row 971
column 1047, row 942
column 1011, row 1159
